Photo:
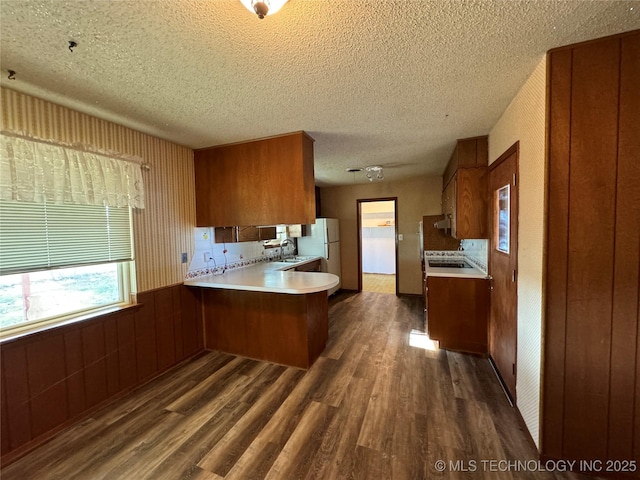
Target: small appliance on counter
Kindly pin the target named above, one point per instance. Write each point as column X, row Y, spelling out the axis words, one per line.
column 323, row 240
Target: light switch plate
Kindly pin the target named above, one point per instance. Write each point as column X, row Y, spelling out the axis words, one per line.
column 185, row 258
column 400, row 237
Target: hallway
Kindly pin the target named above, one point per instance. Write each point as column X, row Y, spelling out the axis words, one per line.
column 378, row 283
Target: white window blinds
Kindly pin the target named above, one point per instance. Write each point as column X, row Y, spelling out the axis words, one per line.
column 45, row 236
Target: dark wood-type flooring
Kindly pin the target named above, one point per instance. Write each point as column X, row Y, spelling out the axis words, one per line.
column 371, row 407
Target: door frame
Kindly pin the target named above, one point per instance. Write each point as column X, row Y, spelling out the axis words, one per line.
column 359, row 203
column 513, row 149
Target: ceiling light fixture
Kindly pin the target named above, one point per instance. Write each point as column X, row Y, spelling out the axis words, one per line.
column 263, row 7
column 374, row 172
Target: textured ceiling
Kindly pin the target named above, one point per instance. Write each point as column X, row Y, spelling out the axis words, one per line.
column 390, row 82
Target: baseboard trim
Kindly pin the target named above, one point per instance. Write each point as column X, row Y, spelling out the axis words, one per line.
column 519, row 416
column 502, row 384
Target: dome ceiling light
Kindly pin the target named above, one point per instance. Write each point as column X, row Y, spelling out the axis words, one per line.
column 263, row 7
column 374, row 172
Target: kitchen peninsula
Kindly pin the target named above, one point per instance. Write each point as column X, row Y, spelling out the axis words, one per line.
column 267, row 311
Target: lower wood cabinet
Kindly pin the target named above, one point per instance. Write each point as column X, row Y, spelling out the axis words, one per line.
column 309, row 267
column 457, row 313
column 281, row 328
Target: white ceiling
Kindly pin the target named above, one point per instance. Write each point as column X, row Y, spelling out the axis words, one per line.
column 390, row 82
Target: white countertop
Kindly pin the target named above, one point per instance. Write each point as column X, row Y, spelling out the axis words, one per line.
column 473, row 272
column 270, row 277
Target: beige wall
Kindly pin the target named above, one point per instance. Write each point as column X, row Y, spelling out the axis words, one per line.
column 164, row 229
column 416, row 197
column 524, row 121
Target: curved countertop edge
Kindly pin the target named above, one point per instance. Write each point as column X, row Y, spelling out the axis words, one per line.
column 296, row 283
column 476, row 274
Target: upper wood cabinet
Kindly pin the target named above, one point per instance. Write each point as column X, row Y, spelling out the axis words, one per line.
column 244, row 234
column 465, row 189
column 254, row 234
column 260, row 182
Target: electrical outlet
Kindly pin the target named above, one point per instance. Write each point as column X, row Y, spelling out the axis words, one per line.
column 185, row 258
column 207, row 256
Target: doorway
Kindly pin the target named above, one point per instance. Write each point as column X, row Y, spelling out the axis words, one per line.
column 378, row 245
column 503, row 267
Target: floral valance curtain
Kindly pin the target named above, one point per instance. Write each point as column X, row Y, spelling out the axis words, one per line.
column 40, row 172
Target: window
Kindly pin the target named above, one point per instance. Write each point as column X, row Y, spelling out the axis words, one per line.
column 502, row 227
column 61, row 261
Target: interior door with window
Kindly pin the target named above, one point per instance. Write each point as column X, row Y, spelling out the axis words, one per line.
column 503, row 266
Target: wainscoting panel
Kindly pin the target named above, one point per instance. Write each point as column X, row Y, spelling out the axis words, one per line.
column 53, row 377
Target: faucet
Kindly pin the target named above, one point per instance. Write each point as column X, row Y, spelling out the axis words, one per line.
column 284, row 243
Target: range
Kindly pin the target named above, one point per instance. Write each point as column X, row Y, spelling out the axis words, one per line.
column 442, row 263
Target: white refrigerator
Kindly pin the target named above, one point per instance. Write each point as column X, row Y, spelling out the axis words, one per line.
column 323, row 241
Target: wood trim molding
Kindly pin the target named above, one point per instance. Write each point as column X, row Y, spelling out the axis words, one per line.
column 256, row 140
column 515, row 148
column 593, row 41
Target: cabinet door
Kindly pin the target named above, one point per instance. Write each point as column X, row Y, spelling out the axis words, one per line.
column 425, row 297
column 472, row 152
column 466, row 150
column 261, row 182
column 309, row 267
column 457, row 313
column 436, row 318
column 248, row 234
column 449, row 203
column 225, row 234
column 464, row 195
column 471, row 203
column 267, row 233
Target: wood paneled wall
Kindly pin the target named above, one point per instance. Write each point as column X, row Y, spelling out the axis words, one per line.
column 53, row 377
column 164, row 229
column 591, row 402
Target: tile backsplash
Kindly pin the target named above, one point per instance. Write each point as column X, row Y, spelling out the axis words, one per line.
column 212, row 258
column 477, row 250
column 474, row 250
